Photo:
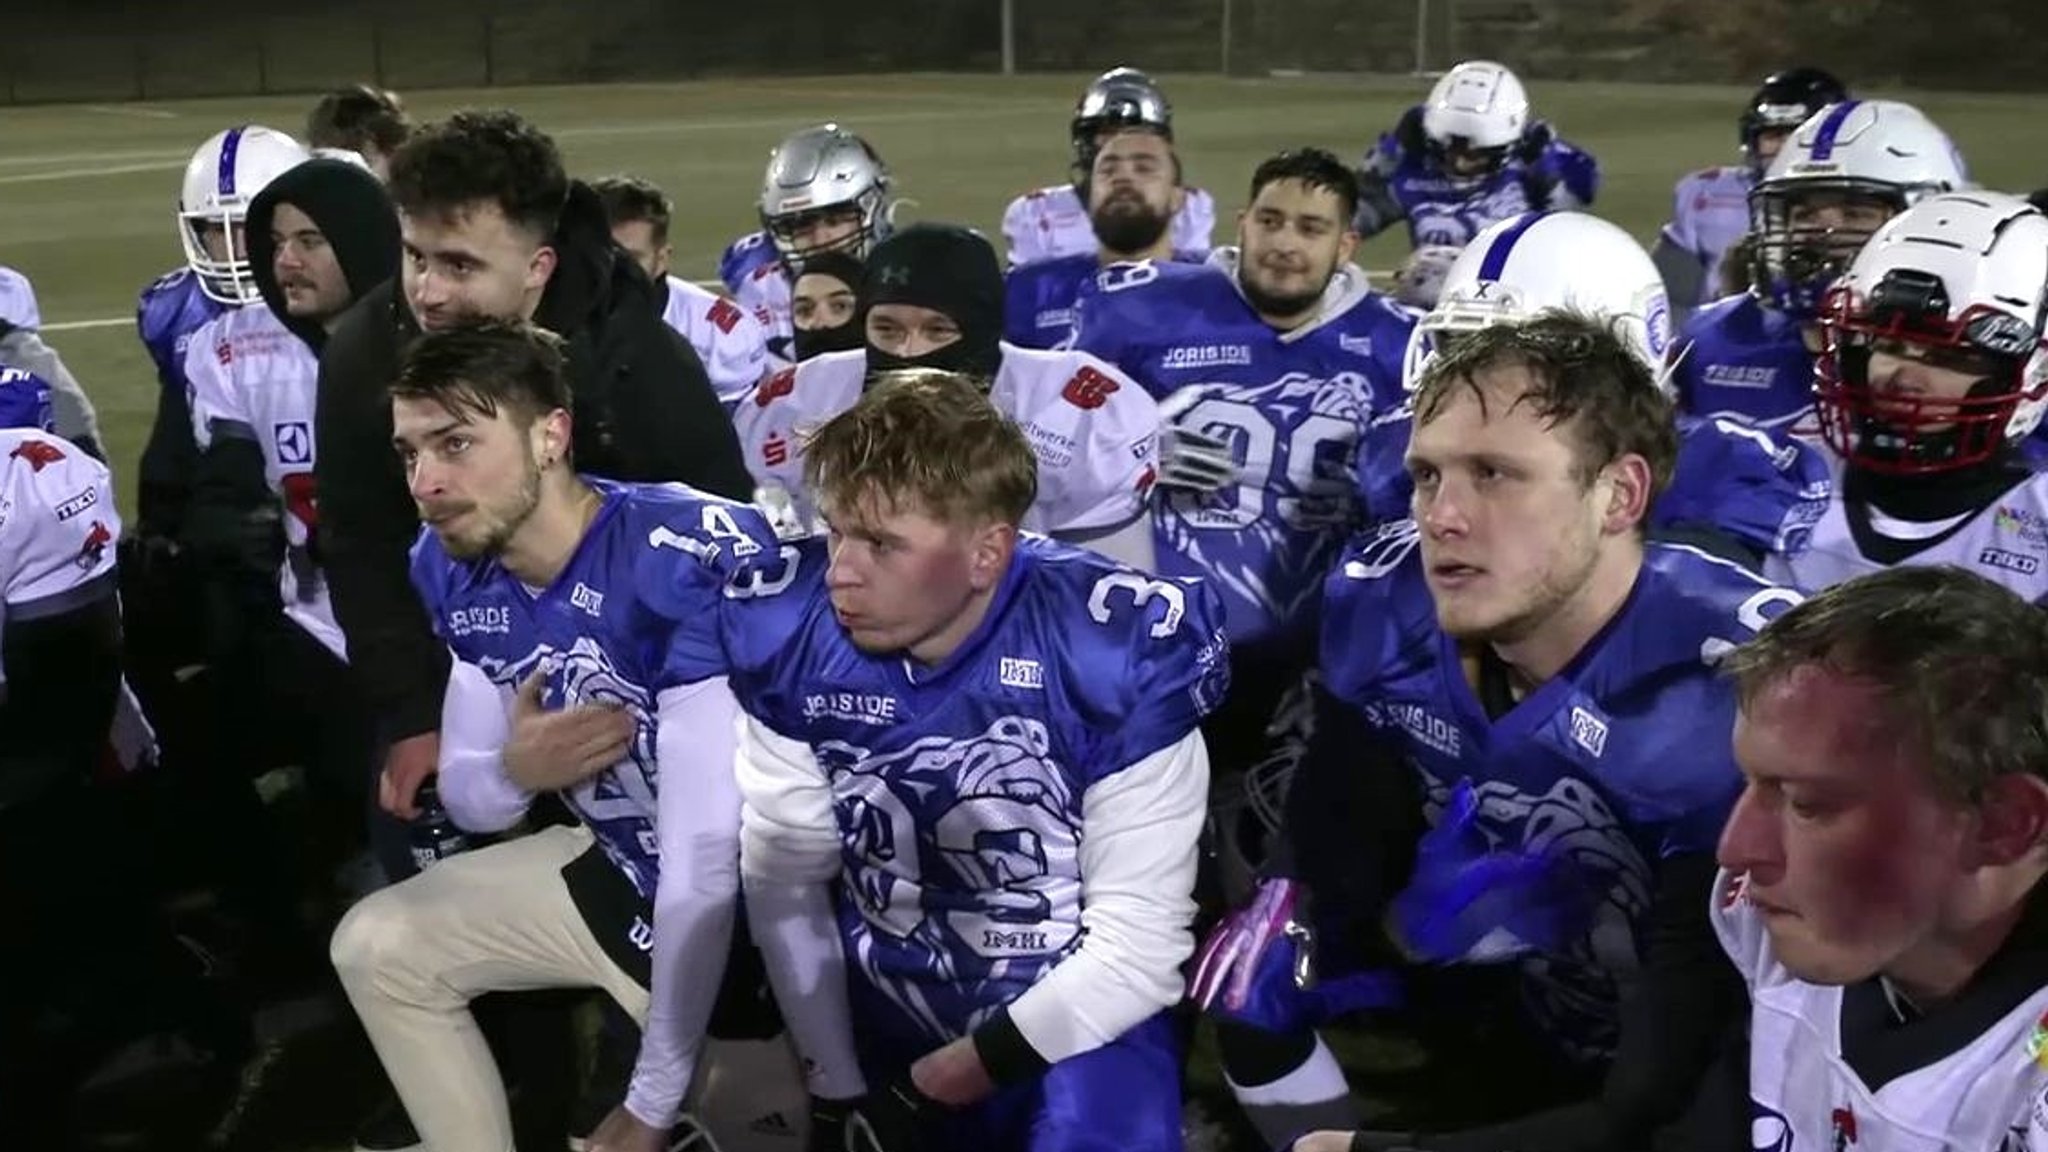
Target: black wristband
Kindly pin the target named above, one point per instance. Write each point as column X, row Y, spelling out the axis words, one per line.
column 1005, row 1053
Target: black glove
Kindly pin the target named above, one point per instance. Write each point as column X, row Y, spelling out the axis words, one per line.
column 1385, row 1142
column 889, row 1120
column 829, row 1119
column 1535, row 141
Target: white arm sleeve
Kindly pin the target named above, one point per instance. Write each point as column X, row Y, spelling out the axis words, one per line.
column 789, row 854
column 1138, row 854
column 475, row 725
column 1018, row 233
column 698, row 825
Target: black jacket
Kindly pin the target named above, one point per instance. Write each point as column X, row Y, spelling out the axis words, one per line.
column 645, row 410
column 233, row 525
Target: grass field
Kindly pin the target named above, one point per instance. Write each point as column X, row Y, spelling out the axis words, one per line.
column 89, row 191
column 89, row 194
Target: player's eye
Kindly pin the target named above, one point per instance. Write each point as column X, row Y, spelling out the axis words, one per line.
column 455, row 445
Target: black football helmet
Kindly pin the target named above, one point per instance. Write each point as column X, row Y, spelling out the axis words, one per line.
column 1783, row 102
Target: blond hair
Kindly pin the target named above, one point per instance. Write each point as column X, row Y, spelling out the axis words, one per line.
column 926, row 440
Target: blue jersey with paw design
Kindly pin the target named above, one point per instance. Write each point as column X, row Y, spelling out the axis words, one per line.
column 1290, row 406
column 958, row 788
column 1620, row 760
column 633, row 614
column 168, row 312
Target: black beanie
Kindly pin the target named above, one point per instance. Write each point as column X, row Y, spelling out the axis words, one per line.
column 948, row 269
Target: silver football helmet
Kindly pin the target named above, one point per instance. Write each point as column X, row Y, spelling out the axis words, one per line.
column 818, row 176
column 1119, row 98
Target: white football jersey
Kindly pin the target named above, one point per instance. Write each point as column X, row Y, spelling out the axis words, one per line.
column 1094, row 430
column 250, row 376
column 765, row 294
column 18, row 300
column 1709, row 213
column 58, row 526
column 2005, row 542
column 1052, row 222
column 1833, row 1069
column 728, row 338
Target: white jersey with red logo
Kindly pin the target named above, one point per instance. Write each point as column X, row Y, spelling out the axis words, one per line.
column 1053, row 222
column 2005, row 542
column 729, row 339
column 1836, row 1068
column 765, row 292
column 252, row 378
column 58, row 526
column 1094, row 430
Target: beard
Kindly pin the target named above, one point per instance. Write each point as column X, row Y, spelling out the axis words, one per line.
column 1270, row 303
column 1125, row 224
column 495, row 525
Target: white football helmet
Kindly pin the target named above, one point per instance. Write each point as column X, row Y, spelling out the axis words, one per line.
column 1478, row 108
column 1543, row 260
column 1881, row 153
column 1960, row 281
column 224, row 175
column 815, row 171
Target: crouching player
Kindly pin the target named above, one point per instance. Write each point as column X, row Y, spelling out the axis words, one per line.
column 973, row 781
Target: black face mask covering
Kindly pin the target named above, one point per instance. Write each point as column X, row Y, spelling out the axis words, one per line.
column 813, row 341
column 962, row 355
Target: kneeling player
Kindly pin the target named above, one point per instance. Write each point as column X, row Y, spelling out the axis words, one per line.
column 1548, row 676
column 585, row 609
column 985, row 749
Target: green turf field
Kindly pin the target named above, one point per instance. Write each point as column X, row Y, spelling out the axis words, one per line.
column 89, row 191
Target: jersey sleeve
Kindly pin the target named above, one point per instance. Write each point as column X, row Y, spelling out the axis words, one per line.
column 1094, row 430
column 1194, row 226
column 762, row 636
column 695, row 554
column 730, row 341
column 740, row 257
column 1154, row 651
column 58, row 526
column 1364, row 609
column 1578, row 174
column 1020, row 239
column 217, row 407
column 1740, row 480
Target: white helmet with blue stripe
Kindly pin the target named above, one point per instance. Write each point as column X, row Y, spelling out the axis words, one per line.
column 1539, row 261
column 1842, row 174
column 225, row 174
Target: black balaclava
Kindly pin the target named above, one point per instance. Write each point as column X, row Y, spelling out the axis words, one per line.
column 843, row 267
column 948, row 269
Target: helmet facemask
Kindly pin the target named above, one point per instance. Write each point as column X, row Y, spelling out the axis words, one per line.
column 221, row 266
column 1907, row 315
column 1805, row 233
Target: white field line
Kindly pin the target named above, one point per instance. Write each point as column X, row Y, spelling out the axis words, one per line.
column 95, row 164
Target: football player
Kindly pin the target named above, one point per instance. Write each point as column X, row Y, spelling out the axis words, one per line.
column 1060, row 220
column 726, row 337
column 1467, row 156
column 1134, row 190
column 1882, row 893
column 1841, row 174
column 1735, row 491
column 223, row 176
column 1933, row 371
column 932, row 298
column 1710, row 208
column 1543, row 677
column 973, row 779
column 826, row 190
column 824, row 306
column 18, row 300
column 582, row 618
column 361, row 121
column 22, row 348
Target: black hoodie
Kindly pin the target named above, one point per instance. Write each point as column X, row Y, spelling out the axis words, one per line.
column 232, row 524
column 645, row 411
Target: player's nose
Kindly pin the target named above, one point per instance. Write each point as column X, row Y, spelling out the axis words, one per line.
column 1747, row 839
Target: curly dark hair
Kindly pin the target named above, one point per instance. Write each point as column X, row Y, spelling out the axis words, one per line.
column 1315, row 168
column 489, row 155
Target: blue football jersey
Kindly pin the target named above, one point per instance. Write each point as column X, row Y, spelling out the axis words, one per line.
column 1290, row 404
column 1762, row 491
column 1441, row 210
column 167, row 313
column 741, row 257
column 633, row 614
column 958, row 789
column 1740, row 360
column 1619, row 761
column 1042, row 300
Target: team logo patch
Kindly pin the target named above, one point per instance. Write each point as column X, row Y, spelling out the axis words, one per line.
column 2009, row 561
column 95, row 546
column 38, row 454
column 77, row 504
column 1657, row 326
column 294, row 441
column 2024, row 523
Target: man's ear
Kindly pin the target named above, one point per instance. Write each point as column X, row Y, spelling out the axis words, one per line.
column 553, row 435
column 1628, row 504
column 990, row 556
column 541, row 267
column 2012, row 820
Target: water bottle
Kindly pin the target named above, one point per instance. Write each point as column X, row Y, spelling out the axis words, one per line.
column 434, row 836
